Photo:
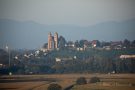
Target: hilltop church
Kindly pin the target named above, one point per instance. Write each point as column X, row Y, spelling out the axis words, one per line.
column 52, row 41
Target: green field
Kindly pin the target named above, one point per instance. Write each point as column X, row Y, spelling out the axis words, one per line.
column 41, row 82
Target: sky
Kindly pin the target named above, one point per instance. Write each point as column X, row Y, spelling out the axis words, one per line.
column 81, row 13
column 75, row 12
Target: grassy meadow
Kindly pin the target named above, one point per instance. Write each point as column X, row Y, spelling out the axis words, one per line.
column 41, row 82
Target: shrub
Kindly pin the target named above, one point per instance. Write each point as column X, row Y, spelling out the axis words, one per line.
column 94, row 80
column 54, row 87
column 81, row 81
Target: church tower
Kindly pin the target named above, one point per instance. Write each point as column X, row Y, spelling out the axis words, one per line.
column 52, row 41
column 56, row 40
column 49, row 40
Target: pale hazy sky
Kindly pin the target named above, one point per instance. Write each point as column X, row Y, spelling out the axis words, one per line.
column 76, row 12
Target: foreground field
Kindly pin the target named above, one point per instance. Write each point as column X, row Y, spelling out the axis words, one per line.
column 41, row 82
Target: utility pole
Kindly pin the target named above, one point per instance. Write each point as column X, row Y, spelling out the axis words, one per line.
column 8, row 54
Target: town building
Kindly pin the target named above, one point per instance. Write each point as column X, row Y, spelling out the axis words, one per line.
column 127, row 56
column 95, row 43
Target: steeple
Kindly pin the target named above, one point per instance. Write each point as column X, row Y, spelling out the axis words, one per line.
column 56, row 40
column 49, row 40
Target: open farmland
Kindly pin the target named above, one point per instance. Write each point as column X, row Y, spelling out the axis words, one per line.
column 41, row 82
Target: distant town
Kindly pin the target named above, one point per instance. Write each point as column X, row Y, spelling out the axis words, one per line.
column 61, row 56
column 55, row 42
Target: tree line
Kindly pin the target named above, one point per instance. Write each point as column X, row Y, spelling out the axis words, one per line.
column 89, row 61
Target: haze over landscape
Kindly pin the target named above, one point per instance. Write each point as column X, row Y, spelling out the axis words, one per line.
column 67, row 44
column 26, row 24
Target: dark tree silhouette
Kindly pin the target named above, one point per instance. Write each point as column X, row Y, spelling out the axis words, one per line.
column 81, row 81
column 62, row 42
column 54, row 87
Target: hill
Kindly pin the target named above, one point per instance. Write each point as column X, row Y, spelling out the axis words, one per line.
column 31, row 35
